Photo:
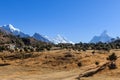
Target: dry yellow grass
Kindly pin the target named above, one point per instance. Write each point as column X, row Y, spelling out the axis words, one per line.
column 53, row 65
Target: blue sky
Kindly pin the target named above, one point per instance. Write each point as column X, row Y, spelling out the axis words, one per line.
column 78, row 20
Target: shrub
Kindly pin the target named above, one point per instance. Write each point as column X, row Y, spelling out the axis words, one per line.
column 26, row 49
column 68, row 54
column 2, row 48
column 112, row 57
column 97, row 63
column 84, row 49
column 112, row 65
column 32, row 50
column 79, row 64
column 38, row 49
column 93, row 52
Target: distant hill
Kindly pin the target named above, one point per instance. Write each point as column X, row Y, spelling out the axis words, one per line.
column 8, row 38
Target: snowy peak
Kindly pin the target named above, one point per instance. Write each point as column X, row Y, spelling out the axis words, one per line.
column 61, row 39
column 104, row 33
column 10, row 28
column 14, row 31
column 104, row 37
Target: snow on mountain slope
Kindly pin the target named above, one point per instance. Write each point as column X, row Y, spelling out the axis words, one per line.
column 39, row 37
column 56, row 40
column 60, row 39
column 104, row 37
column 11, row 29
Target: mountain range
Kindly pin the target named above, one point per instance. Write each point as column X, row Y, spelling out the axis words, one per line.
column 10, row 29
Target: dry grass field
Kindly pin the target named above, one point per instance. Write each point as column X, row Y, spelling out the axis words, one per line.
column 58, row 65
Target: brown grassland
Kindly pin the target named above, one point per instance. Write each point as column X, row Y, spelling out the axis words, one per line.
column 57, row 65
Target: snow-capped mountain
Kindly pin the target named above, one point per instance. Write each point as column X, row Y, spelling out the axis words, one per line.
column 39, row 37
column 10, row 28
column 104, row 37
column 56, row 40
column 60, row 39
column 14, row 31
